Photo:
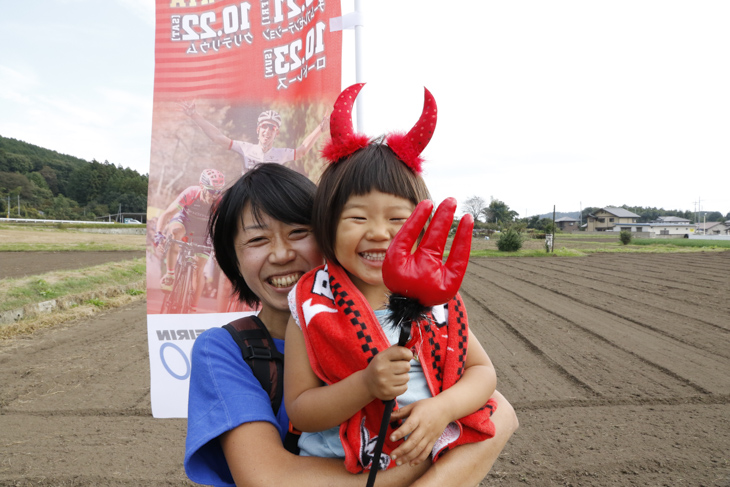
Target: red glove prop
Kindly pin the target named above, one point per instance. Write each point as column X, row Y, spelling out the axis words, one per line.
column 420, row 280
column 422, row 275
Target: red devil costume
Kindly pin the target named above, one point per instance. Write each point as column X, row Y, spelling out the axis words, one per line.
column 342, row 335
column 341, row 331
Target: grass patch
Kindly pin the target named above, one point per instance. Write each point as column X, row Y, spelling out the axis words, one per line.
column 62, row 247
column 30, row 324
column 99, row 225
column 580, row 244
column 53, row 239
column 67, row 226
column 683, row 243
column 17, row 293
column 561, row 252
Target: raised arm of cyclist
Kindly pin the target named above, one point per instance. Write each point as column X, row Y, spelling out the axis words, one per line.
column 208, row 128
column 310, row 139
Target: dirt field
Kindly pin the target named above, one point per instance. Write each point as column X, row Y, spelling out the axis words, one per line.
column 21, row 264
column 618, row 367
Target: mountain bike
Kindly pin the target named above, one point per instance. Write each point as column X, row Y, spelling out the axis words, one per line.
column 179, row 300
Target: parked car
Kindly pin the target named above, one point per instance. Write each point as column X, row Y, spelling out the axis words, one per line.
column 132, row 220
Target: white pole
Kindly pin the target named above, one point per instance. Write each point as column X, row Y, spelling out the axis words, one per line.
column 359, row 75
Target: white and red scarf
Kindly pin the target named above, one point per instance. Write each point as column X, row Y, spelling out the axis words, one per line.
column 342, row 335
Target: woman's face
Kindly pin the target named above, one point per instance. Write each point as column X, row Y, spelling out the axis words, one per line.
column 272, row 256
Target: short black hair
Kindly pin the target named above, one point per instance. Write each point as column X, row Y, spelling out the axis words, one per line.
column 279, row 192
column 374, row 167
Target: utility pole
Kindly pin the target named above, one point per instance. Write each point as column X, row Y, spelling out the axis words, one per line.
column 552, row 247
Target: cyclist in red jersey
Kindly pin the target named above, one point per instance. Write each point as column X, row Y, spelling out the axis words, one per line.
column 267, row 129
column 187, row 219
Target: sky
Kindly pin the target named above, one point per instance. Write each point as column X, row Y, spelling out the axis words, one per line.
column 570, row 104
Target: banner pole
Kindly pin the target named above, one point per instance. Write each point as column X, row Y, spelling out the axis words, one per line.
column 359, row 75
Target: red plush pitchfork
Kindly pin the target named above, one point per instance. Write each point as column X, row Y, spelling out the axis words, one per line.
column 420, row 280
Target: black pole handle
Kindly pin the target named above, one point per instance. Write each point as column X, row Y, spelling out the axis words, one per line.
column 405, row 334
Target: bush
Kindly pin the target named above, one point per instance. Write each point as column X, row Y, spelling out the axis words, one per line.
column 625, row 237
column 510, row 241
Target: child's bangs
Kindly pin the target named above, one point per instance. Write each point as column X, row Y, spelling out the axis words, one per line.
column 377, row 168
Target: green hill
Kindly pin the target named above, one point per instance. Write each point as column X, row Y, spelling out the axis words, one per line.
column 58, row 186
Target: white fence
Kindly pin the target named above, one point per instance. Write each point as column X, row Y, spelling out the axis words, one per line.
column 31, row 220
column 710, row 237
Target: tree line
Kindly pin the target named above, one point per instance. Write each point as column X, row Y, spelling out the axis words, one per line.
column 497, row 215
column 61, row 187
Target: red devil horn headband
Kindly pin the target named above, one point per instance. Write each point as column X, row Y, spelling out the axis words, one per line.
column 407, row 147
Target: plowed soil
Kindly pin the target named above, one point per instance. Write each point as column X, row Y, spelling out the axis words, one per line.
column 618, row 367
column 21, row 264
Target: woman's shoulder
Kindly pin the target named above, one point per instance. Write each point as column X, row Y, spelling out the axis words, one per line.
column 216, row 336
column 213, row 345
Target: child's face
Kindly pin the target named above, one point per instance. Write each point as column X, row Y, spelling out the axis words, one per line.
column 367, row 226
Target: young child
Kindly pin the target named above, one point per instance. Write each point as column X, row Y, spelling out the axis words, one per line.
column 340, row 333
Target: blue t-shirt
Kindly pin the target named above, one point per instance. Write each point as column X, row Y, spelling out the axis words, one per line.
column 224, row 394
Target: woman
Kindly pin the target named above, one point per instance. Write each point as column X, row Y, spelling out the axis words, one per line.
column 263, row 242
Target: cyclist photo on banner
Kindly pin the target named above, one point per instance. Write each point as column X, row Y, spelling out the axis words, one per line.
column 182, row 151
column 267, row 129
column 183, row 229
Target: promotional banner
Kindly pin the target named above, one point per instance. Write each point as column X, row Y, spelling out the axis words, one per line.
column 236, row 84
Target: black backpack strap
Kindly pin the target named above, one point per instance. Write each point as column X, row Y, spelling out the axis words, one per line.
column 260, row 353
column 267, row 363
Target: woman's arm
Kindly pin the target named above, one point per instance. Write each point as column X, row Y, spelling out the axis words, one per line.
column 256, row 458
column 426, row 419
column 312, row 407
column 468, row 464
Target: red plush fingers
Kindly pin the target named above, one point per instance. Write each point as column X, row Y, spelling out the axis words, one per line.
column 399, row 251
column 422, row 275
column 460, row 248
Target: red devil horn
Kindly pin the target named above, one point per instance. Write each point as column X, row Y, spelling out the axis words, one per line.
column 344, row 141
column 408, row 147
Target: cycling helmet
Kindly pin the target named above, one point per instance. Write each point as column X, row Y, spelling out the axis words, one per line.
column 270, row 116
column 212, row 178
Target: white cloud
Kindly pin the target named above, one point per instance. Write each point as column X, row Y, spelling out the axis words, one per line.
column 17, row 85
column 144, row 9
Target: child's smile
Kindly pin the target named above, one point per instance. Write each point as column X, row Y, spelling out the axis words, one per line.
column 375, row 256
column 367, row 226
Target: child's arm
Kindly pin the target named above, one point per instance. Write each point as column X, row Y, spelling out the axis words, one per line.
column 312, row 407
column 427, row 419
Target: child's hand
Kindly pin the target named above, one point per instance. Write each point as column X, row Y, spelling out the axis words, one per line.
column 386, row 376
column 425, row 423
